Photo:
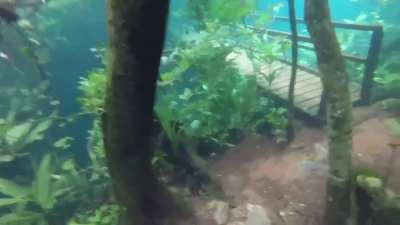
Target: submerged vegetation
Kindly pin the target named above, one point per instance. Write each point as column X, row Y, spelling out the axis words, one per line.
column 208, row 100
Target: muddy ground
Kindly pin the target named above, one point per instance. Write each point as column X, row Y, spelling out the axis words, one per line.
column 288, row 182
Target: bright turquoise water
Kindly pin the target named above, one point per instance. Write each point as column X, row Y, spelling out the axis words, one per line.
column 65, row 36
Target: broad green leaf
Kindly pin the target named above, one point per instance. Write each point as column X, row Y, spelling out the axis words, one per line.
column 63, row 143
column 37, row 133
column 175, row 74
column 14, row 134
column 10, row 201
column 12, row 189
column 195, row 124
column 26, row 218
column 187, row 94
column 68, row 165
column 42, row 185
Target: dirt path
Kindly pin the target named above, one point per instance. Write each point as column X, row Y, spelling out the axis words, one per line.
column 289, row 182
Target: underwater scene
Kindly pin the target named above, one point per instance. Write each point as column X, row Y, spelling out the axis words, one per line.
column 199, row 112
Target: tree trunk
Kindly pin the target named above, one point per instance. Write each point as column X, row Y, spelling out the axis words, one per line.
column 136, row 32
column 339, row 110
column 293, row 26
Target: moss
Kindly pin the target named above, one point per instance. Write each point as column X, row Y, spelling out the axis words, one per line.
column 372, row 183
column 384, row 202
column 136, row 31
column 335, row 81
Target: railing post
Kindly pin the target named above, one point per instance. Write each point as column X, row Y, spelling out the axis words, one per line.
column 371, row 64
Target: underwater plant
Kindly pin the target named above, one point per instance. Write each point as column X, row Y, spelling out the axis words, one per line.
column 42, row 192
column 202, row 95
column 47, row 198
column 106, row 214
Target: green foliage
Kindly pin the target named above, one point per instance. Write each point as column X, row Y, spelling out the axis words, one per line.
column 278, row 121
column 93, row 91
column 23, row 218
column 31, row 204
column 207, row 94
column 224, row 11
column 106, row 214
column 26, row 133
column 202, row 94
column 231, row 11
column 41, row 192
column 63, row 143
column 387, row 77
column 26, row 115
column 97, row 153
column 169, row 124
column 353, row 42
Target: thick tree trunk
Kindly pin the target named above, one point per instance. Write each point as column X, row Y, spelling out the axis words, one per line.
column 336, row 85
column 136, row 32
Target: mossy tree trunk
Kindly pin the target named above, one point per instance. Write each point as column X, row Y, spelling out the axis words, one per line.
column 293, row 27
column 136, row 32
column 339, row 110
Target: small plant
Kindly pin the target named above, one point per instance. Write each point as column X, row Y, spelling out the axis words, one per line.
column 93, row 91
column 106, row 214
column 277, row 119
column 35, row 203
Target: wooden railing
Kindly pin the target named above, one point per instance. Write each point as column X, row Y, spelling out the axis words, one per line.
column 370, row 61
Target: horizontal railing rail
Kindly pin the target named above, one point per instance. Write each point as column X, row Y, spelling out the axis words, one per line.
column 370, row 61
column 303, row 38
column 351, row 26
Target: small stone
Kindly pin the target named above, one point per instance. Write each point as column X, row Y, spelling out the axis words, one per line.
column 236, row 223
column 239, row 213
column 221, row 211
column 252, row 196
column 297, row 146
column 256, row 215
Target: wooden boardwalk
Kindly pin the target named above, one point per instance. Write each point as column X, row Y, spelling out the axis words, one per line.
column 275, row 78
column 308, row 88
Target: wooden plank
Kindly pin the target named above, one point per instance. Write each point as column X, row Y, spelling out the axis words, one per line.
column 308, row 87
column 305, row 90
column 284, row 88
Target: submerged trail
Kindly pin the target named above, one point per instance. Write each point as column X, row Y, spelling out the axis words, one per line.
column 285, row 185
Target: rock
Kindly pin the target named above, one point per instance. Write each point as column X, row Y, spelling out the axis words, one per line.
column 220, row 211
column 321, row 151
column 252, row 196
column 297, row 146
column 256, row 215
column 239, row 213
column 236, row 223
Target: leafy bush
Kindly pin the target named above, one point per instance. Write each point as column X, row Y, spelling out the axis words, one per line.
column 202, row 94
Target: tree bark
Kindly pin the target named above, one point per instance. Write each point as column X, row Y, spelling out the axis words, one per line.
column 339, row 110
column 136, row 32
column 293, row 26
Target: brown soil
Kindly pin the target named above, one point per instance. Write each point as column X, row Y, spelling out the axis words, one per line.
column 289, row 182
